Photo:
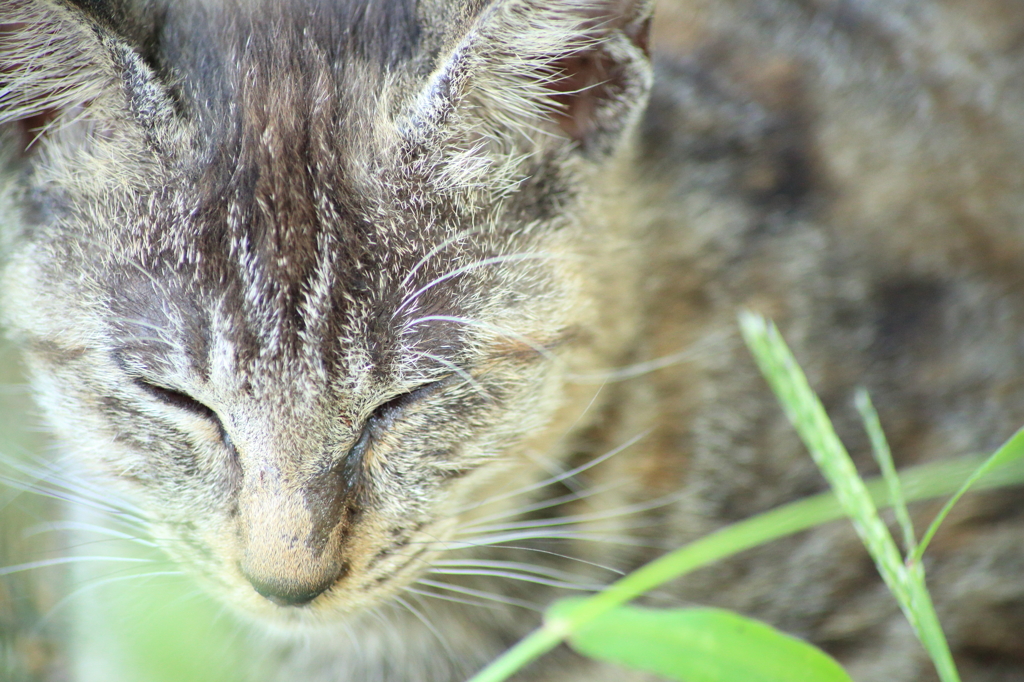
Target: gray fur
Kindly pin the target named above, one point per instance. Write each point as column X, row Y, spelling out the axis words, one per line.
column 316, row 285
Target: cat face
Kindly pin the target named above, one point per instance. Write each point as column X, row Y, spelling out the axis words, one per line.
column 286, row 448
column 300, row 306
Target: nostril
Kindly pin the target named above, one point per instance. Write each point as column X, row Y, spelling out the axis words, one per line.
column 289, row 592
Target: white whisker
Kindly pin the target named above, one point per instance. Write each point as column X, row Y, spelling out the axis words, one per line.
column 511, row 601
column 456, row 545
column 463, row 374
column 57, row 526
column 543, row 504
column 574, row 535
column 436, row 250
column 496, row 329
column 494, row 260
column 711, row 342
column 72, row 498
column 562, row 476
column 449, row 598
column 94, row 584
column 555, row 468
column 43, row 563
column 443, row 641
column 511, row 575
column 552, row 573
column 581, row 518
column 548, row 552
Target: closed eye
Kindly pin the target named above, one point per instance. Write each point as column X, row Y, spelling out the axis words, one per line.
column 387, row 413
column 180, row 400
column 382, row 419
column 183, row 401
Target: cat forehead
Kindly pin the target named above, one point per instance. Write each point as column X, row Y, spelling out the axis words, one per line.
column 278, row 221
column 344, row 298
column 244, row 66
column 283, row 182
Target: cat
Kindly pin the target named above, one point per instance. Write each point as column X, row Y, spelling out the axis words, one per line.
column 393, row 322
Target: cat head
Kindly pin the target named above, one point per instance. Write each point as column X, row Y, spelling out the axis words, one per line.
column 299, row 279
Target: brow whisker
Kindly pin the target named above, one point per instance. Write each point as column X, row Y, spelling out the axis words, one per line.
column 436, row 250
column 494, row 260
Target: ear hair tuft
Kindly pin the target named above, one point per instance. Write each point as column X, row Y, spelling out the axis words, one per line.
column 57, row 65
column 531, row 75
column 50, row 63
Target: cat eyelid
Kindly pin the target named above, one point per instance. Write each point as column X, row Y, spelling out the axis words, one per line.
column 387, row 412
column 178, row 399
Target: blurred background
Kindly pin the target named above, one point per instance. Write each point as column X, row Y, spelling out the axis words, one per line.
column 30, row 627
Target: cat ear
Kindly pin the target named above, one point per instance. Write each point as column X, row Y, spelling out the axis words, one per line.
column 532, row 75
column 61, row 63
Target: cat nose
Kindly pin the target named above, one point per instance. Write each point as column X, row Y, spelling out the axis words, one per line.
column 289, row 592
column 292, row 539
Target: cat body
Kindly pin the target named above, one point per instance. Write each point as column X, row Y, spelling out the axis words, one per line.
column 370, row 311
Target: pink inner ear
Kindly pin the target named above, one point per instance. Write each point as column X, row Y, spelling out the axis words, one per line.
column 586, row 79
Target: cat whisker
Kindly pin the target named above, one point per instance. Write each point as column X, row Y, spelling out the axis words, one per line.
column 543, row 504
column 481, row 594
column 157, row 283
column 55, row 494
column 560, row 477
column 580, row 518
column 75, row 498
column 162, row 334
column 95, row 584
column 449, row 598
column 44, row 563
column 519, row 566
column 452, row 545
column 499, row 541
column 458, row 236
column 149, row 339
column 538, row 550
column 461, row 373
column 57, row 526
column 48, row 480
column 105, row 541
column 496, row 329
column 574, row 535
column 494, row 260
column 443, row 641
column 554, row 467
column 711, row 342
column 512, row 575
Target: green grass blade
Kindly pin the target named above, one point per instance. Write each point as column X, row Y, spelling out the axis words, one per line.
column 883, row 455
column 699, row 645
column 1012, row 450
column 807, row 414
column 923, row 482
